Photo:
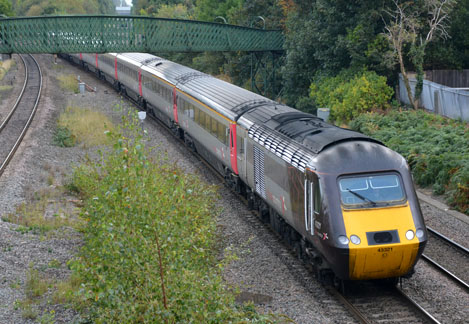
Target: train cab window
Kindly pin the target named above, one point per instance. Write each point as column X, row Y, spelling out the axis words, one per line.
column 371, row 191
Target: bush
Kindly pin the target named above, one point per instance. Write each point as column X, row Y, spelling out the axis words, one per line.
column 149, row 253
column 435, row 147
column 348, row 95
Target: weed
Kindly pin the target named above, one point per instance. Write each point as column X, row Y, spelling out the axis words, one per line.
column 28, row 312
column 82, row 125
column 66, row 291
column 63, row 137
column 35, row 285
column 31, row 216
column 68, row 82
column 47, row 318
column 54, row 263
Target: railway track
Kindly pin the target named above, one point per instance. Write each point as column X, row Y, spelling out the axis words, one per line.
column 372, row 303
column 441, row 250
column 14, row 127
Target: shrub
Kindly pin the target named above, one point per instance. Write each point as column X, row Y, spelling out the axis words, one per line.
column 149, row 253
column 349, row 95
column 435, row 147
column 63, row 137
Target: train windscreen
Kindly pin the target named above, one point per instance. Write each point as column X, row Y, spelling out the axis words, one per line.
column 371, row 190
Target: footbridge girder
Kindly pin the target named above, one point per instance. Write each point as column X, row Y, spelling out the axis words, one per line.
column 105, row 34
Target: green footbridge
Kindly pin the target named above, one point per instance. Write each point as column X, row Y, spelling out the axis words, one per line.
column 113, row 34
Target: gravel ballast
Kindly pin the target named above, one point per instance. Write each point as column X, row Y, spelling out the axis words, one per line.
column 266, row 272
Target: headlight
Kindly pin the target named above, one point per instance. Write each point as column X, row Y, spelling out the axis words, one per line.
column 419, row 233
column 343, row 239
column 355, row 239
column 409, row 235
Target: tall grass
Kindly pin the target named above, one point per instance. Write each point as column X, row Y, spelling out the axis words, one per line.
column 68, row 82
column 82, row 125
column 5, row 66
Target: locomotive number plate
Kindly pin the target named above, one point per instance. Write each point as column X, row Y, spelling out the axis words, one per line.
column 387, row 249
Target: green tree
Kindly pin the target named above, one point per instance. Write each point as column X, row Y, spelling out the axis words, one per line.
column 327, row 36
column 6, row 8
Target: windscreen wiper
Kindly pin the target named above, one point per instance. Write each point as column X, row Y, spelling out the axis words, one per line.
column 361, row 197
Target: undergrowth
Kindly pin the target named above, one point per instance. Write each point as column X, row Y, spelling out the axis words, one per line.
column 82, row 125
column 436, row 148
column 68, row 82
column 150, row 251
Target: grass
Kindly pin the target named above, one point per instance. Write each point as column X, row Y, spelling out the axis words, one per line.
column 5, row 88
column 32, row 216
column 68, row 82
column 82, row 125
column 5, row 66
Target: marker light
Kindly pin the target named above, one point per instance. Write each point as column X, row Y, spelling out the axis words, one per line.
column 409, row 235
column 355, row 239
column 419, row 233
column 343, row 239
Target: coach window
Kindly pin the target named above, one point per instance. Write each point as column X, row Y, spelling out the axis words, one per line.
column 214, row 128
column 240, row 144
column 222, row 133
column 196, row 115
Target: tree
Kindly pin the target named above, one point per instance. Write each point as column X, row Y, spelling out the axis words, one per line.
column 5, row 8
column 407, row 27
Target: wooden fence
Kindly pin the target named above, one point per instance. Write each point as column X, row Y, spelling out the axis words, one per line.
column 449, row 78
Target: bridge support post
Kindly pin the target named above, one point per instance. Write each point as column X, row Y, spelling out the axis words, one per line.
column 5, row 57
column 264, row 78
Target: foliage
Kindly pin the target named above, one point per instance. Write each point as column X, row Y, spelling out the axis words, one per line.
column 63, row 137
column 435, row 147
column 6, row 8
column 328, row 36
column 82, row 125
column 350, row 94
column 61, row 7
column 149, row 253
column 68, row 82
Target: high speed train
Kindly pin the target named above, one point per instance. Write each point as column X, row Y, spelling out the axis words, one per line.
column 344, row 201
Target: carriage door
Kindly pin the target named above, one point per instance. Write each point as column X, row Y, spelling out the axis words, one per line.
column 309, row 206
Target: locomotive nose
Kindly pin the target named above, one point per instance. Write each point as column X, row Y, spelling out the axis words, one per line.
column 386, row 244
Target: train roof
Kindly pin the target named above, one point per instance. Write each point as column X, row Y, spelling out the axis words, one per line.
column 311, row 132
column 218, row 94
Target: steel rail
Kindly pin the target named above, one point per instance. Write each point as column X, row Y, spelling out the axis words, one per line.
column 448, row 240
column 5, row 121
column 354, row 310
column 417, row 306
column 448, row 273
column 28, row 123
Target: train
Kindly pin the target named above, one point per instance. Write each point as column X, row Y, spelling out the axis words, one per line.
column 343, row 201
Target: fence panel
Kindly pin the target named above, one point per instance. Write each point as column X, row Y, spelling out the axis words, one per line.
column 449, row 102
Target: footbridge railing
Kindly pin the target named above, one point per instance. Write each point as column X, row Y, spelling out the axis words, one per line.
column 104, row 34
